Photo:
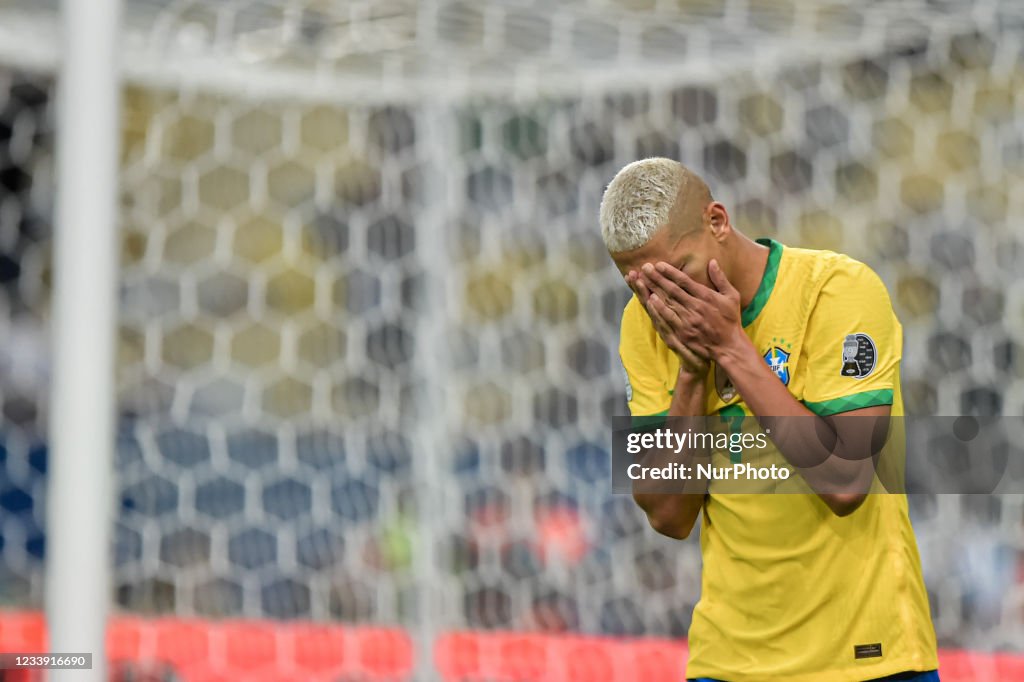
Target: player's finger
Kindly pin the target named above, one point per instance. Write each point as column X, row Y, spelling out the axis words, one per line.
column 692, row 319
column 638, row 286
column 630, row 279
column 693, row 356
column 684, row 281
column 658, row 321
column 642, row 291
column 672, row 290
column 670, row 316
column 648, row 282
column 718, row 278
column 654, row 311
column 678, row 300
column 677, row 316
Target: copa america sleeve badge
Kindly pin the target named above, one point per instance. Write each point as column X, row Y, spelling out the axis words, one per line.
column 859, row 356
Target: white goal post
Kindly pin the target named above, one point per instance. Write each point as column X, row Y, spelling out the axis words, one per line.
column 81, row 502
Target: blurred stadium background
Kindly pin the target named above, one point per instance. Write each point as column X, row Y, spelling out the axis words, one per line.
column 367, row 340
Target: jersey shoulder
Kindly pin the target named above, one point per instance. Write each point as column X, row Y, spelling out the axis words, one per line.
column 633, row 313
column 823, row 260
column 818, row 262
column 818, row 269
column 647, row 361
column 639, row 342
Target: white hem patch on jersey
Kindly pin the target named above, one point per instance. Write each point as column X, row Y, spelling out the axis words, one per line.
column 629, row 386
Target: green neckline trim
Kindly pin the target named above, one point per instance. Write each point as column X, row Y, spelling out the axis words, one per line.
column 855, row 401
column 771, row 272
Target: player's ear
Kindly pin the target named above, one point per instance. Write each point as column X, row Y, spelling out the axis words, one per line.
column 718, row 219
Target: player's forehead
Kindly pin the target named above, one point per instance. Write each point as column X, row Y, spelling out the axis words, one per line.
column 656, row 249
column 666, row 245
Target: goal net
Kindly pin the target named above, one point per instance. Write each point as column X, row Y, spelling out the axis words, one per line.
column 367, row 342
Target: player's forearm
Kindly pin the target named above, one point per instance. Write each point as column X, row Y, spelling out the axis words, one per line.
column 672, row 506
column 834, row 468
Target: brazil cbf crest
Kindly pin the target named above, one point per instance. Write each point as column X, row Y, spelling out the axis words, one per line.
column 778, row 361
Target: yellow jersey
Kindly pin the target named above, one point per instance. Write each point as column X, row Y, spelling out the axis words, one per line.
column 790, row 591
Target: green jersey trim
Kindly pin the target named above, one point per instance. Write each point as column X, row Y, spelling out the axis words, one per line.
column 854, row 401
column 764, row 291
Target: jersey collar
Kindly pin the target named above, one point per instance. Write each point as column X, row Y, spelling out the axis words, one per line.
column 771, row 271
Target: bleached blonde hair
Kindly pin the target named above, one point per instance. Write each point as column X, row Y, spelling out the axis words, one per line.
column 639, row 199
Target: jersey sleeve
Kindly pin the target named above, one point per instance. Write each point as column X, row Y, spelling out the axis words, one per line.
column 853, row 344
column 646, row 394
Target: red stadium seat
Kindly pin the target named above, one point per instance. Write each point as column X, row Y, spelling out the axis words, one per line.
column 124, row 639
column 457, row 656
column 22, row 632
column 318, row 649
column 1009, row 668
column 588, row 659
column 958, row 666
column 249, row 647
column 182, row 642
column 258, row 651
column 384, row 654
column 658, row 660
column 521, row 657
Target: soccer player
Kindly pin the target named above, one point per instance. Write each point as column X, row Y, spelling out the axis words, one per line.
column 823, row 586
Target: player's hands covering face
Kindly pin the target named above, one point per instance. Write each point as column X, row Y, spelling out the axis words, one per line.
column 687, row 314
column 692, row 360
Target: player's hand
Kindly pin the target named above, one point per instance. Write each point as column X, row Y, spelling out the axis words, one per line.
column 692, row 362
column 706, row 319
